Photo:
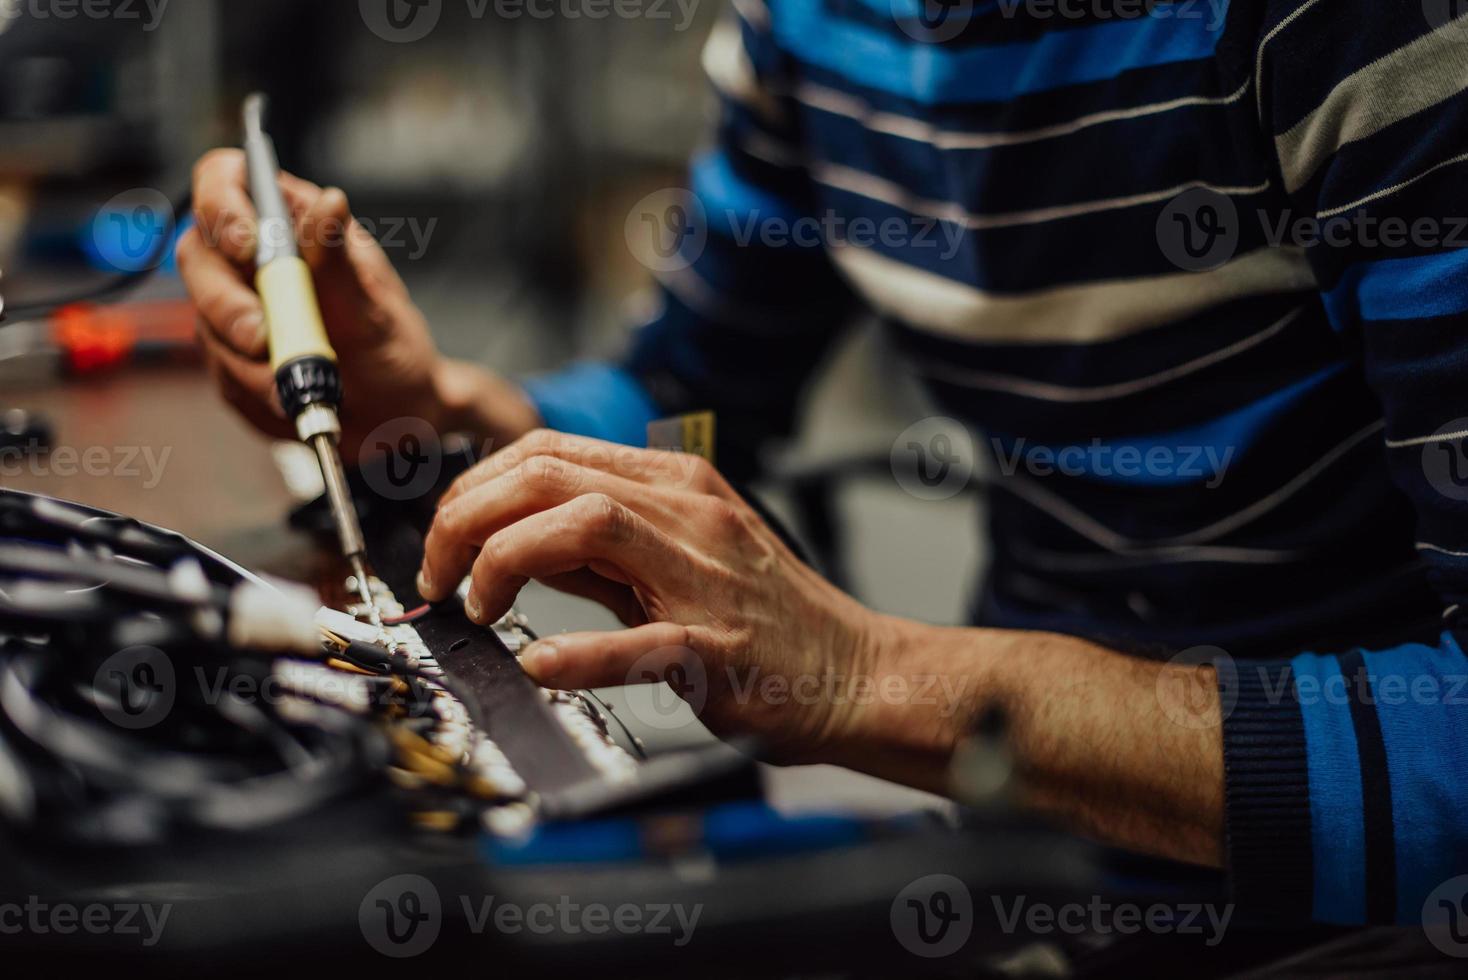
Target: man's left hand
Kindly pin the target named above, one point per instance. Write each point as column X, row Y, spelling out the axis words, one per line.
column 709, row 591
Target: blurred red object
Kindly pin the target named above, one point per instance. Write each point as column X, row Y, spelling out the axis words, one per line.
column 98, row 338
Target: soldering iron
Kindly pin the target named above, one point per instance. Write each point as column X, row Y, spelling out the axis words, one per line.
column 306, row 372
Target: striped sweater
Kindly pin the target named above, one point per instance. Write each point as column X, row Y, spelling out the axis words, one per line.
column 1115, row 237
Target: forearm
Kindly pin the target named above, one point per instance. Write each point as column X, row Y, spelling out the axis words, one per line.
column 1125, row 750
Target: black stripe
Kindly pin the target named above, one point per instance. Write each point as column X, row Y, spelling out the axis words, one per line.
column 1376, row 792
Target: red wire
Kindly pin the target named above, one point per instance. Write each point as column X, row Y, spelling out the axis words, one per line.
column 410, row 616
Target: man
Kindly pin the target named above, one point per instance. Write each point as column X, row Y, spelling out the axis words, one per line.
column 1085, row 168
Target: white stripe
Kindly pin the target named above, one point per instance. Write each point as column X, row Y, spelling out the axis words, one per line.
column 1424, row 440
column 1082, row 313
column 905, row 127
column 1259, row 55
column 728, row 67
column 1091, row 529
column 754, row 12
column 873, row 187
column 1409, row 80
column 1385, row 191
column 1060, row 393
column 1425, row 546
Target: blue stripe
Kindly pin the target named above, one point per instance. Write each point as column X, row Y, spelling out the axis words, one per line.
column 1337, row 834
column 728, row 198
column 596, row 400
column 1222, row 440
column 933, row 74
column 1401, row 289
column 1426, row 736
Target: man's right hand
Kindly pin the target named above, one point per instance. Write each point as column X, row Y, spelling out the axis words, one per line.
column 390, row 366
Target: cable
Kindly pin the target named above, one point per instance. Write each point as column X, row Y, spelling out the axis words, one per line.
column 120, row 283
column 83, row 754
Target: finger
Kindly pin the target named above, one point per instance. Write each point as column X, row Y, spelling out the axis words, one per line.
column 351, row 270
column 571, row 661
column 247, row 385
column 615, row 596
column 222, row 210
column 540, row 483
column 653, row 467
column 593, row 531
column 229, row 308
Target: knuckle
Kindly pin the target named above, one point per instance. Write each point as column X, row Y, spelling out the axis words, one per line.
column 491, row 557
column 603, row 517
column 724, row 516
column 549, row 476
column 703, row 474
column 448, row 524
column 538, row 442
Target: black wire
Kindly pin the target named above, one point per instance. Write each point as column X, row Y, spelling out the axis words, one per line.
column 117, row 284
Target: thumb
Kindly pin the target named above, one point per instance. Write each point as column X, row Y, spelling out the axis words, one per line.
column 642, row 655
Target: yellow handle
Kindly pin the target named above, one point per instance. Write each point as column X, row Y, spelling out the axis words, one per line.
column 292, row 314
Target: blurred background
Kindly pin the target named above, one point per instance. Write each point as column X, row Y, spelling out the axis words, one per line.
column 496, row 157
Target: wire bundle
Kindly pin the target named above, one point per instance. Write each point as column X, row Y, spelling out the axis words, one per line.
column 140, row 692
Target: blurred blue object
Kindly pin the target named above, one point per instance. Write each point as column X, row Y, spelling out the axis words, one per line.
column 737, row 831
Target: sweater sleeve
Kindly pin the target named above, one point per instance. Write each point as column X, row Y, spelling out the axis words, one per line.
column 748, row 301
column 1347, row 773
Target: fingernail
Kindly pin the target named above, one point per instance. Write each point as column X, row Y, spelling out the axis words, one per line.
column 248, row 331
column 425, row 587
column 474, row 608
column 541, row 660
